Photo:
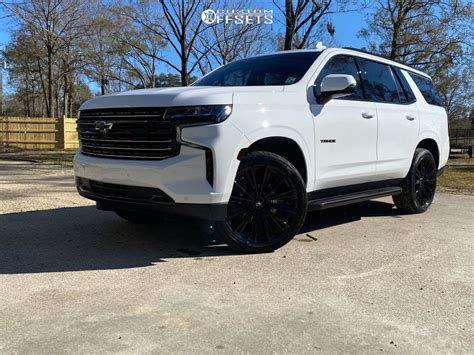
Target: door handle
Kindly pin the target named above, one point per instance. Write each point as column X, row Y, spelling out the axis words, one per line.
column 410, row 117
column 367, row 115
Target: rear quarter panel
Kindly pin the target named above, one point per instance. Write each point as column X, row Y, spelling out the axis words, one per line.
column 433, row 123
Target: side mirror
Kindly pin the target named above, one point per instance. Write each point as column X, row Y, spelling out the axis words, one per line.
column 334, row 86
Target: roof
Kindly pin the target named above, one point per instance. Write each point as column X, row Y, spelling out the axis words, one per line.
column 356, row 51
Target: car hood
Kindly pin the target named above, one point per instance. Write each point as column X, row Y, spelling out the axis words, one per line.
column 179, row 96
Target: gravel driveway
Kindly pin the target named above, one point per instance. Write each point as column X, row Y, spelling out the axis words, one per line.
column 362, row 278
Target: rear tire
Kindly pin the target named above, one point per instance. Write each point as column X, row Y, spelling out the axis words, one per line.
column 419, row 186
column 137, row 218
column 267, row 206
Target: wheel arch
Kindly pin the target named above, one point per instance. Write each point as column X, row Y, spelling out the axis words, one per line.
column 431, row 145
column 286, row 148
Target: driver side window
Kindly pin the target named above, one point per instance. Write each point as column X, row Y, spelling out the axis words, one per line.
column 341, row 64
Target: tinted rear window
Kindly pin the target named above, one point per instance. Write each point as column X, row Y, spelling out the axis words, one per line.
column 268, row 70
column 410, row 96
column 427, row 89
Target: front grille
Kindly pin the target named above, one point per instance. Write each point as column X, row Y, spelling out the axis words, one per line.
column 135, row 133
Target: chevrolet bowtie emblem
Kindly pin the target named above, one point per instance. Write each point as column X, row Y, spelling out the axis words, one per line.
column 103, row 127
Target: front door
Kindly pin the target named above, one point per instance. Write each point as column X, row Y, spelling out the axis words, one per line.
column 345, row 132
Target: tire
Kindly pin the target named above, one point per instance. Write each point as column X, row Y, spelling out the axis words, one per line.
column 419, row 186
column 267, row 206
column 136, row 217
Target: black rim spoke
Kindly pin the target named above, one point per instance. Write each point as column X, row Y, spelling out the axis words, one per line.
column 234, row 214
column 274, row 189
column 263, row 205
column 268, row 230
column 266, row 176
column 250, row 173
column 280, row 207
column 425, row 182
column 284, row 195
column 242, row 189
column 243, row 223
column 278, row 222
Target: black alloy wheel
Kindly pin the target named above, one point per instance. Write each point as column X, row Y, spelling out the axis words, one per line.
column 419, row 187
column 267, row 206
column 425, row 182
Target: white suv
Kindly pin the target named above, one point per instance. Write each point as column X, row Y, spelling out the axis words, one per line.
column 257, row 143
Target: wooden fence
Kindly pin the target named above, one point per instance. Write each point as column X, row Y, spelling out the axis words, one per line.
column 71, row 141
column 38, row 133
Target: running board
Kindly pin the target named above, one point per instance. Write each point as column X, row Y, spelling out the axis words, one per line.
column 341, row 200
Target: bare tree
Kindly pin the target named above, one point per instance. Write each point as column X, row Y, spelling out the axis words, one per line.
column 21, row 53
column 174, row 23
column 303, row 17
column 421, row 32
column 222, row 43
column 104, row 49
column 143, row 47
column 181, row 30
column 455, row 88
column 432, row 35
column 49, row 23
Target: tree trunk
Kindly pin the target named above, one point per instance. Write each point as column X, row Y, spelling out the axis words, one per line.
column 33, row 101
column 65, row 96
column 50, row 106
column 43, row 88
column 394, row 44
column 72, row 93
column 289, row 25
column 184, row 69
column 184, row 63
column 66, row 104
column 102, row 85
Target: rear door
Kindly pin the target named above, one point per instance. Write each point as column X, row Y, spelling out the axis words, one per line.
column 397, row 113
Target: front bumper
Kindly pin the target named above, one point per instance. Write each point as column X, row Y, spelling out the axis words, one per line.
column 112, row 197
column 183, row 178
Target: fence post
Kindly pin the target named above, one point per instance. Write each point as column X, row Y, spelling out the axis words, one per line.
column 60, row 133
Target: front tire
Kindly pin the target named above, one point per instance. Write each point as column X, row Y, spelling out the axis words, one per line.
column 267, row 206
column 419, row 186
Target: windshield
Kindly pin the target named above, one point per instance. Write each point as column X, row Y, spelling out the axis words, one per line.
column 275, row 69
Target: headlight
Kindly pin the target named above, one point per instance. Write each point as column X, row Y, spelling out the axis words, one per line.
column 190, row 114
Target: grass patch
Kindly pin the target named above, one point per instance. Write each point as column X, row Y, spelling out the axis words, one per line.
column 457, row 180
column 58, row 157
